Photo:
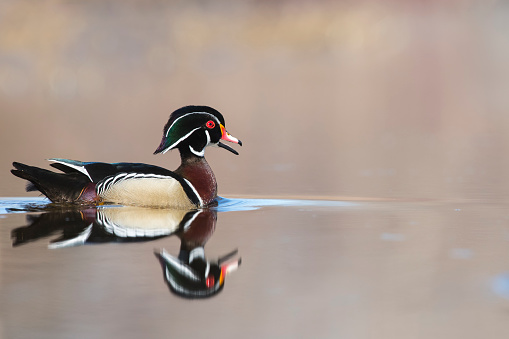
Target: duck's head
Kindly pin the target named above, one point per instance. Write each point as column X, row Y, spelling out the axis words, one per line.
column 193, row 128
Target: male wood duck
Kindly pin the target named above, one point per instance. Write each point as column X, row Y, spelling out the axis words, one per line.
column 190, row 129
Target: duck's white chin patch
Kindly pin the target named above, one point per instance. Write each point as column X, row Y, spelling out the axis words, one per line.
column 202, row 152
column 199, row 154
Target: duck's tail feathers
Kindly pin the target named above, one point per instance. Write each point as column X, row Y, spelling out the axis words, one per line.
column 58, row 187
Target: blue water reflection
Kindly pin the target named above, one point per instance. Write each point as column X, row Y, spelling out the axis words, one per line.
column 228, row 205
column 500, row 285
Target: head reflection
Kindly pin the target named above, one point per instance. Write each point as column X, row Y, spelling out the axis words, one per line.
column 190, row 274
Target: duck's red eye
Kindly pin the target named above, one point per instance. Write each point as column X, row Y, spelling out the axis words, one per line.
column 210, row 124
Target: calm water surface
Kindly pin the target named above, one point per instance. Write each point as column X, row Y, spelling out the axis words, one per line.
column 310, row 268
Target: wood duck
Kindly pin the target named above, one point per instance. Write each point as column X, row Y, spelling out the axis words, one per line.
column 190, row 129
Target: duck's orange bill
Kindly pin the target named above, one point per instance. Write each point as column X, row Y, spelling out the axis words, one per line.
column 228, row 137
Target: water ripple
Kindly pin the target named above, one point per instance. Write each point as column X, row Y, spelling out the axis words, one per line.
column 40, row 204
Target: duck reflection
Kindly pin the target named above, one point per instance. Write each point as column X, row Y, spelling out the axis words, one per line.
column 190, row 274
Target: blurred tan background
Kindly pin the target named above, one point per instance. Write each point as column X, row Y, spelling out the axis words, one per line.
column 392, row 99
